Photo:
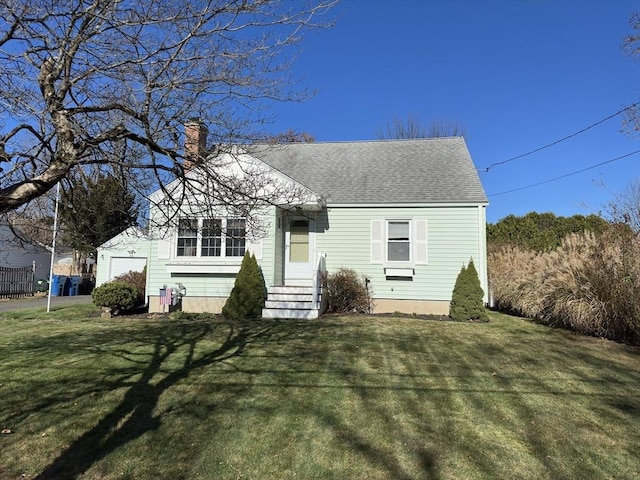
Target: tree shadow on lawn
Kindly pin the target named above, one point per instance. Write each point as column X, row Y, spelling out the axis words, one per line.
column 134, row 415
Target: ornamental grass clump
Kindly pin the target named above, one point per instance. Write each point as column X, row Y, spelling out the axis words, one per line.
column 590, row 284
column 248, row 295
column 467, row 297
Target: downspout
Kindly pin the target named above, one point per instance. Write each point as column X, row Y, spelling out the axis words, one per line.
column 482, row 248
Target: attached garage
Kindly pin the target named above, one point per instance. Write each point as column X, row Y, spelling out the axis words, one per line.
column 128, row 251
column 121, row 265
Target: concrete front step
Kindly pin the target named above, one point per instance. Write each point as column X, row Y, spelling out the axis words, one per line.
column 289, row 290
column 290, row 301
column 292, row 304
column 290, row 314
column 288, row 297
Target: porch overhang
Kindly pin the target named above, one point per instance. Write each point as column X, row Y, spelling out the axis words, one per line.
column 314, row 205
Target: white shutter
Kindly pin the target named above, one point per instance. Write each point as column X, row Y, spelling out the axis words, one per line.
column 420, row 237
column 377, row 241
column 164, row 249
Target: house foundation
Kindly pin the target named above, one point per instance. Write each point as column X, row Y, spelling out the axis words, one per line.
column 419, row 307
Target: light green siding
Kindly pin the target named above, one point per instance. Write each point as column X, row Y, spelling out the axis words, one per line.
column 278, row 249
column 454, row 235
column 208, row 284
column 130, row 243
column 269, row 257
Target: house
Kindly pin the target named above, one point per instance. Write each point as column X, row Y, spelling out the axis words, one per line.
column 406, row 214
column 127, row 251
column 16, row 254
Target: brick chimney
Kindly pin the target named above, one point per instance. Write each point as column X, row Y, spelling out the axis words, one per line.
column 195, row 145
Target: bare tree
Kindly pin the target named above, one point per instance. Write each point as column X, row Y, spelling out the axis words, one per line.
column 290, row 136
column 83, row 81
column 625, row 207
column 413, row 127
column 631, row 46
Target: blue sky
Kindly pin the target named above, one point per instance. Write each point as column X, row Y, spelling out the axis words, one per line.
column 517, row 74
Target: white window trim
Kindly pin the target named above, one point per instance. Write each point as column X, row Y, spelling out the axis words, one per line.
column 387, row 222
column 418, row 244
column 187, row 259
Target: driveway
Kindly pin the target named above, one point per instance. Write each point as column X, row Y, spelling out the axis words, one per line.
column 41, row 302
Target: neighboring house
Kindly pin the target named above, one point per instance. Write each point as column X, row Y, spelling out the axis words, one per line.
column 15, row 254
column 127, row 251
column 407, row 214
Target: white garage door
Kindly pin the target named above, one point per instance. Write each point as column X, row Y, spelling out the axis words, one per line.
column 121, row 265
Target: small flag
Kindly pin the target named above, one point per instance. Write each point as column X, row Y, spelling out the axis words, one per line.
column 166, row 298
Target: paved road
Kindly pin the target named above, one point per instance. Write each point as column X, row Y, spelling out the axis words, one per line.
column 41, row 302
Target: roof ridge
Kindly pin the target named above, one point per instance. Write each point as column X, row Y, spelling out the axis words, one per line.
column 375, row 140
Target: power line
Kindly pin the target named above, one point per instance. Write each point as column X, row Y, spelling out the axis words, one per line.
column 485, row 170
column 564, row 176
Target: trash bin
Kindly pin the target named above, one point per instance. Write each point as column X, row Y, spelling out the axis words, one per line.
column 74, row 287
column 71, row 286
column 57, row 285
column 42, row 285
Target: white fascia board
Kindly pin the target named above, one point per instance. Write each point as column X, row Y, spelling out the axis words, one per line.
column 130, row 235
column 404, row 205
column 237, row 162
column 312, row 197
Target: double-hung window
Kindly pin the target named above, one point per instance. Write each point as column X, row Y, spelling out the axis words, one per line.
column 187, row 237
column 398, row 240
column 211, row 237
column 235, row 239
column 205, row 237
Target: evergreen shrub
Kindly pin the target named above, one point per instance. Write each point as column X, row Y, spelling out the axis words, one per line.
column 114, row 296
column 467, row 298
column 249, row 291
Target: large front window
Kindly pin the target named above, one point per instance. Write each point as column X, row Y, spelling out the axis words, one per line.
column 205, row 237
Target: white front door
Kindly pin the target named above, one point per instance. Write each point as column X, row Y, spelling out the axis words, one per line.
column 299, row 241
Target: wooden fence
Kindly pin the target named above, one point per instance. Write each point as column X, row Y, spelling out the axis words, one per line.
column 16, row 282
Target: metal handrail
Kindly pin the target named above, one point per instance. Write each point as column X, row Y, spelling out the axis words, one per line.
column 318, row 278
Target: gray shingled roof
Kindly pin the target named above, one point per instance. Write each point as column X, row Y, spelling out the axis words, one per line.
column 436, row 170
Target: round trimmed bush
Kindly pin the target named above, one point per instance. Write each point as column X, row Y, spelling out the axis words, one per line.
column 115, row 296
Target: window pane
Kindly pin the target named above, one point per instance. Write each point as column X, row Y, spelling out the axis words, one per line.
column 299, row 241
column 299, row 252
column 398, row 230
column 211, row 237
column 398, row 241
column 235, row 243
column 187, row 237
column 398, row 252
column 187, row 227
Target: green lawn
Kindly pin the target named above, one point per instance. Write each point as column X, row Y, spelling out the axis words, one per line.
column 335, row 398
